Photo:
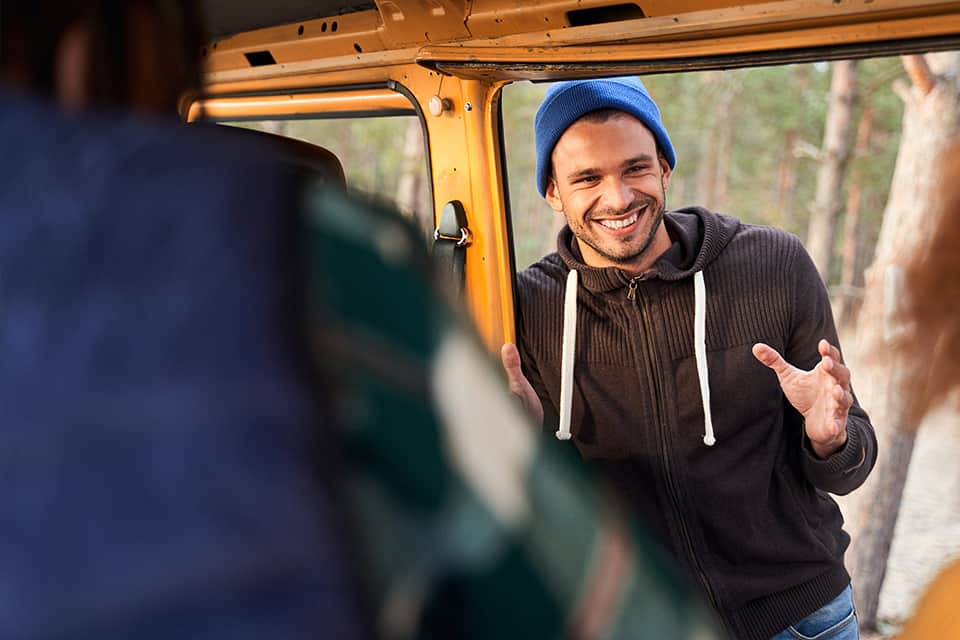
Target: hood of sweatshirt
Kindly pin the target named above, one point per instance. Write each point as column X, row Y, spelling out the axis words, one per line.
column 698, row 236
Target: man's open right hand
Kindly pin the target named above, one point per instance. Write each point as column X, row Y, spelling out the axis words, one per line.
column 519, row 385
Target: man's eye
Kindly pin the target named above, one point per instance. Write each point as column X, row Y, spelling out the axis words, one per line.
column 587, row 180
column 637, row 168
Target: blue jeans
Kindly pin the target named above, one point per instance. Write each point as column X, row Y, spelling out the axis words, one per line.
column 836, row 620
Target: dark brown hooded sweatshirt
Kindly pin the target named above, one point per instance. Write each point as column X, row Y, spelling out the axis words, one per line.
column 748, row 518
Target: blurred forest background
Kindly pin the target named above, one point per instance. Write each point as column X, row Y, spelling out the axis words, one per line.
column 748, row 142
column 843, row 154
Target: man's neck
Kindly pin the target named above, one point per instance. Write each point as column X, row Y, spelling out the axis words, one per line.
column 639, row 264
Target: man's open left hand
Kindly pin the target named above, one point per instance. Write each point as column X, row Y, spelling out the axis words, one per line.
column 822, row 395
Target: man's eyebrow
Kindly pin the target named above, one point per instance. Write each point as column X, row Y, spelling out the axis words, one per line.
column 640, row 159
column 582, row 173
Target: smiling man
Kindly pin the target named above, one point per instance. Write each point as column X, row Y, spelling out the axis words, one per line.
column 669, row 310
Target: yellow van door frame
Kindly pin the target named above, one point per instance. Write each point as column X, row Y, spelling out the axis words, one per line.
column 463, row 139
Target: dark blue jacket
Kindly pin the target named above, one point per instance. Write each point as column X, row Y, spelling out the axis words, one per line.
column 162, row 461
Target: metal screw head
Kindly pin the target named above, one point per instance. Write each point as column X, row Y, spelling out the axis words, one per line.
column 467, row 106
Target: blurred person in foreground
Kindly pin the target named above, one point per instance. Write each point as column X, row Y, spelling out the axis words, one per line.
column 212, row 429
column 158, row 433
column 931, row 358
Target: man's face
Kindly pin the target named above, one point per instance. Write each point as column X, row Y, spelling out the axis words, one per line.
column 609, row 182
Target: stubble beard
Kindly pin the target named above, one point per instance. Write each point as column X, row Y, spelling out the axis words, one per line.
column 657, row 220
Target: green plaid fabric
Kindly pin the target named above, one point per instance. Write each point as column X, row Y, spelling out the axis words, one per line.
column 468, row 522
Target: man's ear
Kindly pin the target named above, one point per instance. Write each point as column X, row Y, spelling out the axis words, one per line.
column 553, row 195
column 665, row 170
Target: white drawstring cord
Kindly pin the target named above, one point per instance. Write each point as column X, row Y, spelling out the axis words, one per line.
column 566, row 362
column 569, row 348
column 700, row 343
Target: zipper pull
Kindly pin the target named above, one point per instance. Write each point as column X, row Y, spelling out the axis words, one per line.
column 632, row 291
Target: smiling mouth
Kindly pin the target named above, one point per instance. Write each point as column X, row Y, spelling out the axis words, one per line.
column 620, row 223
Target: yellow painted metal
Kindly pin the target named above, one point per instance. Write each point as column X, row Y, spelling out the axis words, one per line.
column 298, row 104
column 773, row 19
column 336, row 71
column 551, row 59
column 310, row 40
column 477, row 165
column 497, row 18
column 405, row 31
column 400, row 24
column 413, row 22
column 465, row 158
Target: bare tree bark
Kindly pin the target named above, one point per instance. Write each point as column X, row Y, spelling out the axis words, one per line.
column 707, row 172
column 713, row 177
column 792, row 151
column 850, row 293
column 725, row 125
column 833, row 168
column 787, row 178
column 931, row 118
column 877, row 537
column 920, row 74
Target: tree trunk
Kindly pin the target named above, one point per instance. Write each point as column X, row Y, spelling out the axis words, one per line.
column 931, row 118
column 850, row 293
column 716, row 147
column 725, row 124
column 787, row 178
column 833, row 167
column 891, row 474
column 707, row 172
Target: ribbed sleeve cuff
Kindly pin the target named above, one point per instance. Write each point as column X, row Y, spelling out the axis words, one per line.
column 834, row 473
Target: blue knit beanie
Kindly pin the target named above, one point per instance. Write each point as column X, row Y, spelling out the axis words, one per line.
column 567, row 102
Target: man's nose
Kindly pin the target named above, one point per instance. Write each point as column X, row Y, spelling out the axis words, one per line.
column 617, row 194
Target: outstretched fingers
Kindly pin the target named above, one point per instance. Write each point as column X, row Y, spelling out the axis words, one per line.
column 844, row 400
column 769, row 356
column 833, row 364
column 827, row 349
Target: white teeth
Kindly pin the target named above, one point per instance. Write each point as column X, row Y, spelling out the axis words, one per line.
column 619, row 224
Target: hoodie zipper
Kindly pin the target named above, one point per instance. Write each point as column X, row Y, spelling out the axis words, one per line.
column 656, row 383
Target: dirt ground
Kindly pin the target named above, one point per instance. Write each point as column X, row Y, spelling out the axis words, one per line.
column 927, row 534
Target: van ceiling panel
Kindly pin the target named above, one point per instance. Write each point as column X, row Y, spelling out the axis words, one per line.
column 228, row 17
